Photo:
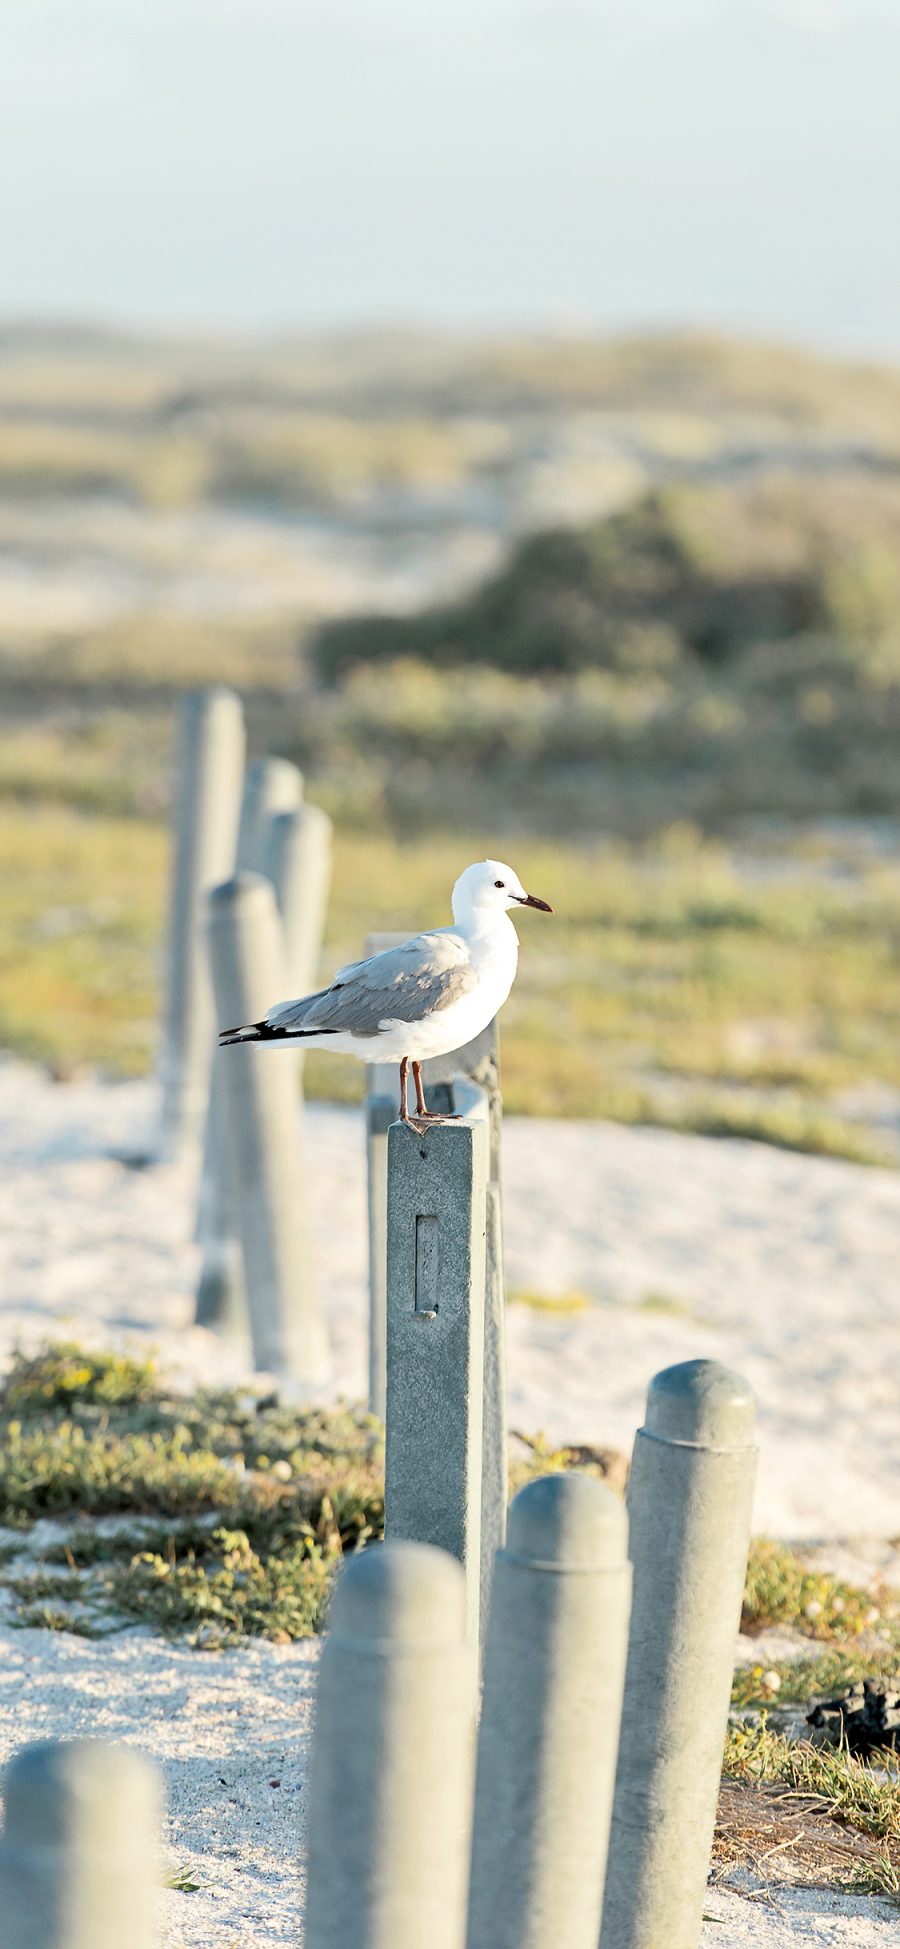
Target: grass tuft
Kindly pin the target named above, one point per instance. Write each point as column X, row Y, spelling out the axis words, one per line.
column 781, row 1589
column 66, row 1373
column 865, row 1797
column 800, row 1680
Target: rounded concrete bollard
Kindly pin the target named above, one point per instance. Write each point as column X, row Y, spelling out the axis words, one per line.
column 553, row 1679
column 297, row 860
column 391, row 1780
column 273, row 786
column 690, row 1499
column 273, row 789
column 208, row 800
column 263, row 1146
column 79, row 1863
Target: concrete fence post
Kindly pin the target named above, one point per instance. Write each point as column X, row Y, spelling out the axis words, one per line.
column 263, row 1141
column 273, row 788
column 437, row 1188
column 210, row 767
column 690, row 1498
column 494, row 1446
column 478, row 1061
column 390, row 1798
column 79, row 1861
column 381, row 1112
column 553, row 1677
column 297, row 860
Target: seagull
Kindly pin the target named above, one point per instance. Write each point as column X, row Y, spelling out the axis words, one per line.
column 428, row 996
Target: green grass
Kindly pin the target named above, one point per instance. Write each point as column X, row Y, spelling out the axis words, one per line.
column 670, row 986
column 857, row 1794
column 782, row 1590
column 788, row 1681
column 68, row 1372
column 233, row 1510
column 223, row 1513
column 880, row 1876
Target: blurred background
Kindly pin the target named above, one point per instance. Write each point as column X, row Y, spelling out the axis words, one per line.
column 506, row 400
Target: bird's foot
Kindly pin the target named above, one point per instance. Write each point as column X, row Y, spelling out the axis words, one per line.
column 423, row 1118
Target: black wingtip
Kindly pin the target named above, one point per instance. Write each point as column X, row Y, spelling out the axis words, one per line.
column 245, row 1032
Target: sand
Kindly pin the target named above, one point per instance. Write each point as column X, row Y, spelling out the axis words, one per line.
column 785, row 1266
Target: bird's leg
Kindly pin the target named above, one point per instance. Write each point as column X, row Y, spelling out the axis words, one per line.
column 404, row 1068
column 428, row 1116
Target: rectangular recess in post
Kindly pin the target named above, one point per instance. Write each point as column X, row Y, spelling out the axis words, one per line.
column 428, row 1266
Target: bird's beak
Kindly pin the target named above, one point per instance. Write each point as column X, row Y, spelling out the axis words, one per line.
column 531, row 900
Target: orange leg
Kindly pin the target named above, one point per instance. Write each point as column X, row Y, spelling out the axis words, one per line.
column 420, row 1093
column 404, row 1070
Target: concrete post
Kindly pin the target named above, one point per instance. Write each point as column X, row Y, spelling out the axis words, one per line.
column 390, row 1805
column 690, row 1497
column 437, row 1187
column 263, row 1145
column 380, row 1114
column 208, row 797
column 553, row 1679
column 79, row 1854
column 494, row 1447
column 297, row 860
column 273, row 788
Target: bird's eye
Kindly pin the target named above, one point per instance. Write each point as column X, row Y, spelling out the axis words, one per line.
column 499, row 883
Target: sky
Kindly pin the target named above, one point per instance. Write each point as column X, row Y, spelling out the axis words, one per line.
column 588, row 163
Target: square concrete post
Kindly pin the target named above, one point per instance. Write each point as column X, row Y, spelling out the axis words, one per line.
column 437, row 1193
column 495, row 1446
column 79, row 1861
column 209, row 780
column 381, row 1112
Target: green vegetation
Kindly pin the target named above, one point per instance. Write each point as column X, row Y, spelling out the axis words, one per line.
column 854, row 1793
column 706, row 652
column 678, row 983
column 690, row 574
column 784, row 1681
column 233, row 1510
column 170, row 421
column 645, row 713
column 222, row 1514
column 781, row 1589
column 68, row 1372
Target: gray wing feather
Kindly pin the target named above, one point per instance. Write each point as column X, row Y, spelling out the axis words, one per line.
column 403, row 984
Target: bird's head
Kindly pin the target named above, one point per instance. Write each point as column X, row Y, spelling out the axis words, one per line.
column 488, row 889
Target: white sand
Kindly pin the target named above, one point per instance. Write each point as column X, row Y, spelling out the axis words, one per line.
column 787, row 1267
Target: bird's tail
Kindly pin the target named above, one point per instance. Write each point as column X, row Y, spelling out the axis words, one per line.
column 249, row 1032
column 266, row 1032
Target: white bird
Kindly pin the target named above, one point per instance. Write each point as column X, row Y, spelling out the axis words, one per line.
column 424, row 998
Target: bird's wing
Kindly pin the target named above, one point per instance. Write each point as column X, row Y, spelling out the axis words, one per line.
column 403, row 984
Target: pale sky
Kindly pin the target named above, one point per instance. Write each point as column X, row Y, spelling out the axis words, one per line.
column 609, row 163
